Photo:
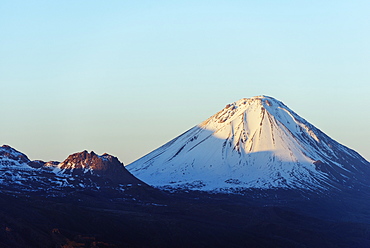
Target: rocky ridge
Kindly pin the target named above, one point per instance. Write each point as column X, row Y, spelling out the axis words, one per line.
column 82, row 170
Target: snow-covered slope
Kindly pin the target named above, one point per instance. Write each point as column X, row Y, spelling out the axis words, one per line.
column 17, row 172
column 10, row 157
column 79, row 170
column 252, row 143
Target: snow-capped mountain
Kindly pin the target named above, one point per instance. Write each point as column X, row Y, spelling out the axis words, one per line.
column 79, row 170
column 10, row 157
column 255, row 142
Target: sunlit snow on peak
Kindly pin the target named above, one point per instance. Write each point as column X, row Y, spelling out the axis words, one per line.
column 257, row 142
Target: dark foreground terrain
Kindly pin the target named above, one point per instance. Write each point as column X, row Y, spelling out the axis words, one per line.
column 159, row 219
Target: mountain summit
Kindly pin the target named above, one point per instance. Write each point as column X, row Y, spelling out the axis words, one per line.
column 105, row 166
column 255, row 142
column 81, row 170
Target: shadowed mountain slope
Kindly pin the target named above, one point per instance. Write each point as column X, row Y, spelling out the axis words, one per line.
column 253, row 143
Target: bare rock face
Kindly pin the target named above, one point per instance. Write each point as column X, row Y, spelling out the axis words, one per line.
column 36, row 164
column 105, row 166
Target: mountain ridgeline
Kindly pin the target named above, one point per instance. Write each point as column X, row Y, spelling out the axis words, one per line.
column 79, row 171
column 254, row 143
column 105, row 166
column 255, row 174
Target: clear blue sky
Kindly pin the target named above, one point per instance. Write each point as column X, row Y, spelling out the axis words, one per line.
column 124, row 77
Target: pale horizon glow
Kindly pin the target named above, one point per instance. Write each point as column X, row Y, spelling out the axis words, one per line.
column 125, row 77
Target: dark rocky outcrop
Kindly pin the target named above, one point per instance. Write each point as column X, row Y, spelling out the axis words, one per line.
column 106, row 166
